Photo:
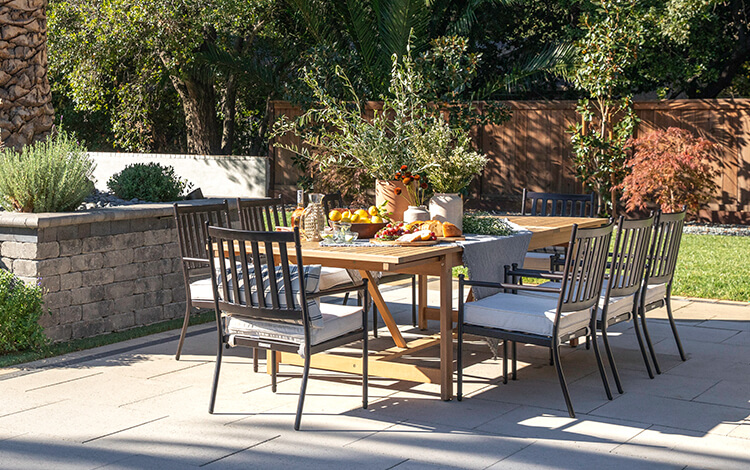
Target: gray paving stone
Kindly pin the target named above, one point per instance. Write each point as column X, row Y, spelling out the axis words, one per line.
column 677, row 414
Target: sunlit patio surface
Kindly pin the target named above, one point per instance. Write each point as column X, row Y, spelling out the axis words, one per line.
column 132, row 406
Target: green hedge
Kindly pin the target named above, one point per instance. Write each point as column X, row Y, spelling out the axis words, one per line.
column 21, row 306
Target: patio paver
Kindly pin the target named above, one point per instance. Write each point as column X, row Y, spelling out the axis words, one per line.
column 132, row 406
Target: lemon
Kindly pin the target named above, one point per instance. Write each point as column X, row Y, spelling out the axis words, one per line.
column 354, row 217
column 346, row 215
column 345, row 220
column 376, row 219
column 373, row 210
column 364, row 220
column 362, row 214
column 334, row 215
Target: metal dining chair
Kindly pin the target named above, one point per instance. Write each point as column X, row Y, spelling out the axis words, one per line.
column 262, row 304
column 554, row 205
column 190, row 220
column 656, row 291
column 542, row 319
column 265, row 214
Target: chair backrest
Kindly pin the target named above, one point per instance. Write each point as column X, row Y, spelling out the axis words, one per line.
column 190, row 220
column 585, row 262
column 665, row 245
column 629, row 256
column 262, row 215
column 558, row 205
column 239, row 291
column 332, row 201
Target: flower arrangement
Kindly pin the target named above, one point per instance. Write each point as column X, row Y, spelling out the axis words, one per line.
column 416, row 186
column 446, row 155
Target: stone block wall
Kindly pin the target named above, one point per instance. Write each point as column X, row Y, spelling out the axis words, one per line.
column 104, row 270
column 26, row 112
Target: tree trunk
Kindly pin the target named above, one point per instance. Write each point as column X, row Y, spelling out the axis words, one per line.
column 26, row 112
column 229, row 110
column 199, row 105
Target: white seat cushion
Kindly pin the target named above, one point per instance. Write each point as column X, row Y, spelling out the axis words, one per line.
column 655, row 292
column 202, row 290
column 523, row 313
column 337, row 320
column 332, row 277
column 617, row 305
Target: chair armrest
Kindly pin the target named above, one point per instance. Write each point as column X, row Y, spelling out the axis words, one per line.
column 339, row 290
column 535, row 273
column 504, row 285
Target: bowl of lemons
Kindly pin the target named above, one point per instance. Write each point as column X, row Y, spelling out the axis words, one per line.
column 365, row 223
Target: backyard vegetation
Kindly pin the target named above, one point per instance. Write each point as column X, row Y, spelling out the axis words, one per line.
column 711, row 267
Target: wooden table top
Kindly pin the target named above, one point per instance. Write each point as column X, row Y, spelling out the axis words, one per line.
column 546, row 231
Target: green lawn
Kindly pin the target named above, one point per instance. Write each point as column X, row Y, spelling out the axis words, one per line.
column 709, row 267
column 713, row 267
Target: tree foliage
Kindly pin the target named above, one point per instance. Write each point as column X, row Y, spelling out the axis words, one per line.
column 672, row 168
column 605, row 56
column 144, row 57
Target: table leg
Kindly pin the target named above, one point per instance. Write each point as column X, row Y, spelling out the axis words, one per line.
column 385, row 313
column 446, row 331
column 422, row 289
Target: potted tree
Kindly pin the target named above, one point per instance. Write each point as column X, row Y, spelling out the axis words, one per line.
column 338, row 133
column 449, row 164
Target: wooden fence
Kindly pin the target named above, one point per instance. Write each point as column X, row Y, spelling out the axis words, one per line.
column 533, row 150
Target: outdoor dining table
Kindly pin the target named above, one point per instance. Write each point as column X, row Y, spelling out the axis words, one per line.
column 437, row 260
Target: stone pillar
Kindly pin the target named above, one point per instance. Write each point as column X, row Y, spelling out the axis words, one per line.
column 26, row 112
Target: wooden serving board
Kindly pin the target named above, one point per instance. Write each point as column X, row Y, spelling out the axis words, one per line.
column 451, row 239
column 397, row 243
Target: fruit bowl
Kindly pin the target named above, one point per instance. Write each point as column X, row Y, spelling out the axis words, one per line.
column 365, row 230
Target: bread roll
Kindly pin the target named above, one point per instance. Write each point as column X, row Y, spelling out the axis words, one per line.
column 434, row 226
column 450, row 230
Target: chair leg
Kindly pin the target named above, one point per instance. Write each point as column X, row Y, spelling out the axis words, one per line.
column 414, row 301
column 556, row 356
column 505, row 361
column 611, row 358
column 346, row 299
column 302, row 390
column 648, row 342
column 255, row 359
column 588, row 343
column 593, row 339
column 551, row 358
column 641, row 344
column 515, row 362
column 274, row 367
column 460, row 363
column 183, row 332
column 217, row 369
column 365, row 373
column 668, row 303
column 374, row 321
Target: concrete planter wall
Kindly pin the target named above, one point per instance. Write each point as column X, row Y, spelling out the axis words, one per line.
column 218, row 176
column 103, row 270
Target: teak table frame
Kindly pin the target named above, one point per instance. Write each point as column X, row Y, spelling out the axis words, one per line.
column 437, row 261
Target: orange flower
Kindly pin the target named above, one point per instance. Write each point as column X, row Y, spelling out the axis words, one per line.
column 398, row 191
column 416, row 177
column 407, row 180
column 423, row 185
column 404, row 167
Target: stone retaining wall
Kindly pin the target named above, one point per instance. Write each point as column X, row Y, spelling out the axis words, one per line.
column 104, row 270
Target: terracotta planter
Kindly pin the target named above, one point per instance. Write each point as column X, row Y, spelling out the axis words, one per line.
column 447, row 208
column 385, row 191
column 414, row 213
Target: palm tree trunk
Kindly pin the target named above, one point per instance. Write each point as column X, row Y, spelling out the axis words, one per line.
column 26, row 112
